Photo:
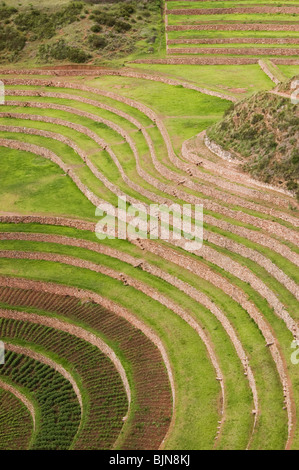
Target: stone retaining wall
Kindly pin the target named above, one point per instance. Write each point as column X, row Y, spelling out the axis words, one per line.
column 219, row 151
column 235, row 27
column 268, row 72
column 235, row 40
column 286, row 10
column 233, row 50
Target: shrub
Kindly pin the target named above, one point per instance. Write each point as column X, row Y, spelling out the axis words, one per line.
column 11, row 39
column 256, row 118
column 61, row 51
column 122, row 26
column 96, row 28
column 97, row 42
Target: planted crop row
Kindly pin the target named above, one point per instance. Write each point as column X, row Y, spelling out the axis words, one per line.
column 105, row 404
column 59, row 409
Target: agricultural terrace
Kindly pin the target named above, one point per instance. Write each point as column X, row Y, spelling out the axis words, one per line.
column 189, row 349
column 245, row 29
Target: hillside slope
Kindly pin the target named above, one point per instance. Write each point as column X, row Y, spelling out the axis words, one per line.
column 263, row 132
column 78, row 31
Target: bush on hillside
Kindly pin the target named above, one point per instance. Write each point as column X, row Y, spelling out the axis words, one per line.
column 97, row 42
column 11, row 39
column 61, row 51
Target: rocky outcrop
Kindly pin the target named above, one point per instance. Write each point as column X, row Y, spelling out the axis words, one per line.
column 220, row 152
column 199, row 61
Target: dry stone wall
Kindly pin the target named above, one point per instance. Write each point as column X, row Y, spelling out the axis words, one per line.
column 236, row 40
column 277, row 51
column 235, row 27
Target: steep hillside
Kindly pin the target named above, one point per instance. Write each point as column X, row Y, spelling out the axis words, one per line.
column 78, row 31
column 263, row 132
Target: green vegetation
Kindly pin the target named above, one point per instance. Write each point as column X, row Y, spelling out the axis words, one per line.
column 264, row 132
column 248, row 265
column 100, row 384
column 16, row 423
column 59, row 410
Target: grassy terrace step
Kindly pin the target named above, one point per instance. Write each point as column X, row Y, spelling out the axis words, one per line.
column 245, row 80
column 35, row 139
column 39, row 111
column 104, row 398
column 184, row 303
column 22, row 170
column 246, row 276
column 59, row 410
column 233, row 55
column 237, row 41
column 146, row 372
column 15, row 423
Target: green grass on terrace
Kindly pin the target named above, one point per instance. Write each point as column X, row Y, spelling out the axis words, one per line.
column 193, row 34
column 236, row 80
